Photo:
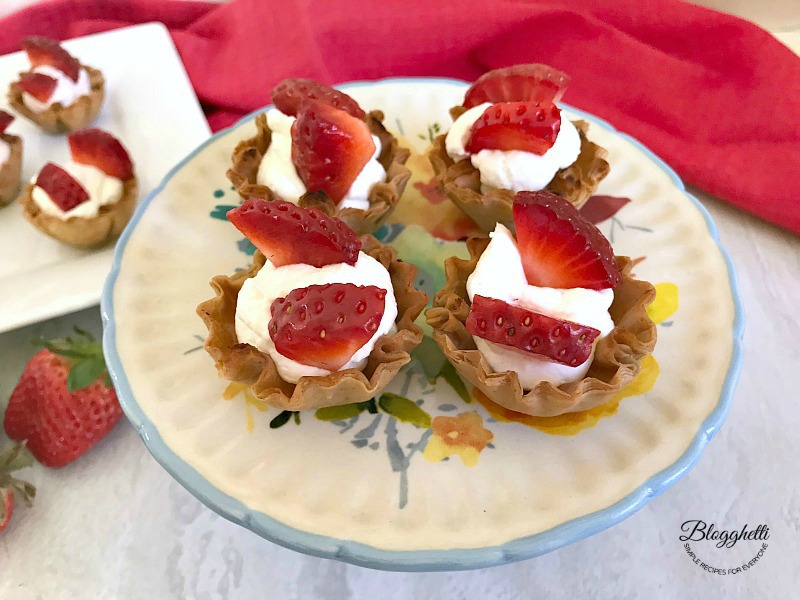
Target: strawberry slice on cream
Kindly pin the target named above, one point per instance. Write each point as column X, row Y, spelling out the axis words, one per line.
column 100, row 165
column 561, row 303
column 55, row 76
column 319, row 304
column 513, row 132
column 320, row 142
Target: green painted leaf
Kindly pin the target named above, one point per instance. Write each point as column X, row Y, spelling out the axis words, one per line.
column 84, row 372
column 452, row 377
column 220, row 211
column 370, row 406
column 340, row 413
column 404, row 410
column 430, row 357
column 297, row 418
column 281, row 419
column 246, row 246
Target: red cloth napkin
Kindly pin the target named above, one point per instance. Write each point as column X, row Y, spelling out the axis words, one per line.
column 715, row 96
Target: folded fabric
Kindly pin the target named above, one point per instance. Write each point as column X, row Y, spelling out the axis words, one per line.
column 715, row 96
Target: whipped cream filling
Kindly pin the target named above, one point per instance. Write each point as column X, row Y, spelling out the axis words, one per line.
column 254, row 304
column 499, row 274
column 514, row 170
column 66, row 91
column 5, row 152
column 278, row 173
column 102, row 189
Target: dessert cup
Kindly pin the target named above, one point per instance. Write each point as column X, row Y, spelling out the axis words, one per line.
column 383, row 197
column 246, row 364
column 84, row 232
column 11, row 170
column 617, row 358
column 56, row 118
column 461, row 181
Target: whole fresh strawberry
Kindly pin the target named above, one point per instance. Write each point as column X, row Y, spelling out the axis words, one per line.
column 12, row 460
column 64, row 402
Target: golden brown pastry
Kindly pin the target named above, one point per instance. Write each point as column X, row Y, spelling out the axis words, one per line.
column 328, row 320
column 59, row 94
column 337, row 158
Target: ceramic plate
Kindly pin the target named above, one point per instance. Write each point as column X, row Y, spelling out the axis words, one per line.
column 427, row 477
column 149, row 104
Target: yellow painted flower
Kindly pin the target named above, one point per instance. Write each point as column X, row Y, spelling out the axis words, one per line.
column 573, row 423
column 665, row 304
column 464, row 436
column 250, row 401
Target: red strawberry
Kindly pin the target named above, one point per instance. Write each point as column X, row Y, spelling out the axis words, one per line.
column 5, row 121
column 290, row 93
column 64, row 402
column 100, row 149
column 323, row 325
column 515, row 126
column 329, row 148
column 556, row 340
column 520, row 83
column 38, row 85
column 559, row 247
column 288, row 234
column 44, row 51
column 10, row 461
column 7, row 509
column 62, row 188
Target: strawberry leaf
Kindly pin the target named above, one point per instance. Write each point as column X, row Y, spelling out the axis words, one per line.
column 83, row 333
column 57, row 347
column 18, row 457
column 84, row 373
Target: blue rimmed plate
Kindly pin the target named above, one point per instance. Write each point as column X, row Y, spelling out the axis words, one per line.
column 429, row 478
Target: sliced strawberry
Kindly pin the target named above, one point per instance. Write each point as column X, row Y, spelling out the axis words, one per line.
column 556, row 340
column 290, row 93
column 559, row 247
column 520, row 83
column 62, row 188
column 287, row 234
column 12, row 460
column 5, row 120
column 323, row 325
column 38, row 85
column 329, row 148
column 515, row 126
column 64, row 402
column 100, row 149
column 44, row 51
column 7, row 509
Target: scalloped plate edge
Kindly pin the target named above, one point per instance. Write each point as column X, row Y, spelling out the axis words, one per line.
column 415, row 560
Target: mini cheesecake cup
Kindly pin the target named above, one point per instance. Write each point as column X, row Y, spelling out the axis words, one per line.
column 246, row 364
column 462, row 182
column 11, row 170
column 383, row 197
column 56, row 118
column 617, row 358
column 84, row 232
